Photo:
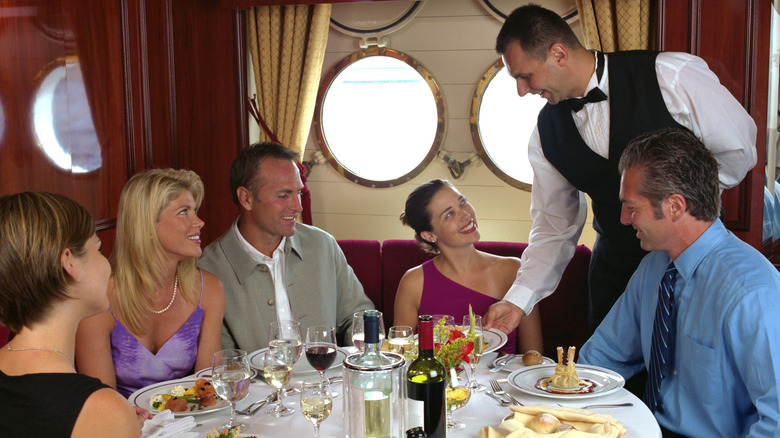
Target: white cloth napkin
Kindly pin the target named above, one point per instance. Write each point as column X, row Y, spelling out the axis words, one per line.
column 165, row 425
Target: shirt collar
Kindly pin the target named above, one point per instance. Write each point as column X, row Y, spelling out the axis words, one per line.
column 690, row 259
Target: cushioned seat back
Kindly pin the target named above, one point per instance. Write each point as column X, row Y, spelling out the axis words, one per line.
column 565, row 312
column 398, row 256
column 4, row 333
column 365, row 258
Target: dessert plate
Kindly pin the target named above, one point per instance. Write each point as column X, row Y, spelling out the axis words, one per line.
column 300, row 367
column 143, row 396
column 516, row 363
column 604, row 381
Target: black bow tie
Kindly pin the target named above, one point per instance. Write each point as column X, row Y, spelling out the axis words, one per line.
column 576, row 103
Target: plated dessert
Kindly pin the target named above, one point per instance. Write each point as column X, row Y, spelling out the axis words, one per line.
column 565, row 379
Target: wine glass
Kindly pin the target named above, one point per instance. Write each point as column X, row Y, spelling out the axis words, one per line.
column 458, row 395
column 476, row 353
column 358, row 335
column 315, row 405
column 230, row 376
column 277, row 371
column 321, row 350
column 399, row 337
column 284, row 337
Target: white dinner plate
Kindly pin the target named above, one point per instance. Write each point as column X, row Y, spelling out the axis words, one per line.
column 494, row 339
column 604, row 381
column 143, row 396
column 516, row 363
column 205, row 373
column 300, row 367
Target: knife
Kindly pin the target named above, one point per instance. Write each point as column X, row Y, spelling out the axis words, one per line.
column 258, row 404
column 500, row 362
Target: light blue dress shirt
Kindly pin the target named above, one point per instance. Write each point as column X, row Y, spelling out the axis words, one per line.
column 726, row 353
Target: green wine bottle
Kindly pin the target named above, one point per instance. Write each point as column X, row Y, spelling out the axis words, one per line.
column 426, row 385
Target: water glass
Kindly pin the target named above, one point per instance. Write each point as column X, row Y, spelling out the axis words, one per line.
column 358, row 335
column 230, row 375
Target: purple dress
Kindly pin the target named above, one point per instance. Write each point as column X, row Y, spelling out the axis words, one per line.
column 440, row 295
column 136, row 367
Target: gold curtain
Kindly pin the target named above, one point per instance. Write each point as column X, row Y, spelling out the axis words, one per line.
column 615, row 25
column 287, row 45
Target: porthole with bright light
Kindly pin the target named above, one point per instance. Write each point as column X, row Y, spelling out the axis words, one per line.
column 380, row 117
column 501, row 125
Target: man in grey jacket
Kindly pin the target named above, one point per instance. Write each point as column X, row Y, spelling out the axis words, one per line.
column 274, row 268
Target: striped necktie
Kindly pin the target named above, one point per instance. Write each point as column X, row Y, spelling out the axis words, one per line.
column 660, row 353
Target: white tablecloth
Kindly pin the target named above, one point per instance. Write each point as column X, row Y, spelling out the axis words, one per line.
column 480, row 411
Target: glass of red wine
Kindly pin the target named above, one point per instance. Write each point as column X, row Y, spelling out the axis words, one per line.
column 321, row 351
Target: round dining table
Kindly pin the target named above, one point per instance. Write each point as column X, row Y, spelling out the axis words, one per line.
column 480, row 411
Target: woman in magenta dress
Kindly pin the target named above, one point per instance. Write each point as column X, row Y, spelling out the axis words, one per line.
column 445, row 223
column 165, row 316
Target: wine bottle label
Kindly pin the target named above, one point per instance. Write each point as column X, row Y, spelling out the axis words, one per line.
column 415, row 413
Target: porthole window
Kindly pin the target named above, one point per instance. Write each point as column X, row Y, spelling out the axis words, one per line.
column 501, row 125
column 380, row 117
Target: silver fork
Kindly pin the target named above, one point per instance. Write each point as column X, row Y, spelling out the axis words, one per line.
column 497, row 398
column 497, row 389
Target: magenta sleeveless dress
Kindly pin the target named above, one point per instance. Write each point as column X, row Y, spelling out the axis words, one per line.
column 136, row 367
column 441, row 295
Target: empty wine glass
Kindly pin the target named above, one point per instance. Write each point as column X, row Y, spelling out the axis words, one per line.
column 315, row 405
column 358, row 335
column 458, row 395
column 321, row 350
column 230, row 376
column 476, row 353
column 277, row 371
column 398, row 338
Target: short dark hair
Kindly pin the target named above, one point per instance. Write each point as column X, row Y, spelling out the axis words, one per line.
column 672, row 161
column 36, row 228
column 416, row 213
column 245, row 170
column 536, row 29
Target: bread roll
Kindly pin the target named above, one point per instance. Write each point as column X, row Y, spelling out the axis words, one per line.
column 544, row 423
column 532, row 357
column 564, row 427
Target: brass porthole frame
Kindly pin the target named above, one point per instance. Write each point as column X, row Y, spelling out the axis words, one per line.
column 476, row 102
column 440, row 109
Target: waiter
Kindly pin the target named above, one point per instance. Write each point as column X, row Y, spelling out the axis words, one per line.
column 597, row 103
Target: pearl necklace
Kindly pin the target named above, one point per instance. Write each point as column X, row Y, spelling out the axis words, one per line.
column 175, row 285
column 53, row 350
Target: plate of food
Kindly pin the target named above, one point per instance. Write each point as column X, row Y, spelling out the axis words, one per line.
column 302, row 366
column 188, row 396
column 592, row 381
column 518, row 361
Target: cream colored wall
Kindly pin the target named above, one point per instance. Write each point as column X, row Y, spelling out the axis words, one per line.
column 454, row 40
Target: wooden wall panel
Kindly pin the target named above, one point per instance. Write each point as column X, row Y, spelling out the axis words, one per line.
column 733, row 37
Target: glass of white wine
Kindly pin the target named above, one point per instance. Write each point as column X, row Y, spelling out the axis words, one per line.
column 398, row 338
column 315, row 405
column 476, row 353
column 230, row 375
column 277, row 371
column 358, row 335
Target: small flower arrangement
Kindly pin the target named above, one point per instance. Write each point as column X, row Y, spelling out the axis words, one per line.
column 457, row 348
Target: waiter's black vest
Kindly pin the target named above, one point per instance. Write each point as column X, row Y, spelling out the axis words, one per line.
column 632, row 79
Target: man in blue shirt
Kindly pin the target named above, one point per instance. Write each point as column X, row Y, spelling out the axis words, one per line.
column 720, row 377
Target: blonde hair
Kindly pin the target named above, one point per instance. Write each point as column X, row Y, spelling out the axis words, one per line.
column 138, row 257
column 36, row 228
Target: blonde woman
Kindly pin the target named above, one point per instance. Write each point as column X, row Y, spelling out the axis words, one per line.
column 52, row 275
column 165, row 315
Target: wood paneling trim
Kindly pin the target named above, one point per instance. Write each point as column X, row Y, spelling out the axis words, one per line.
column 241, row 77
